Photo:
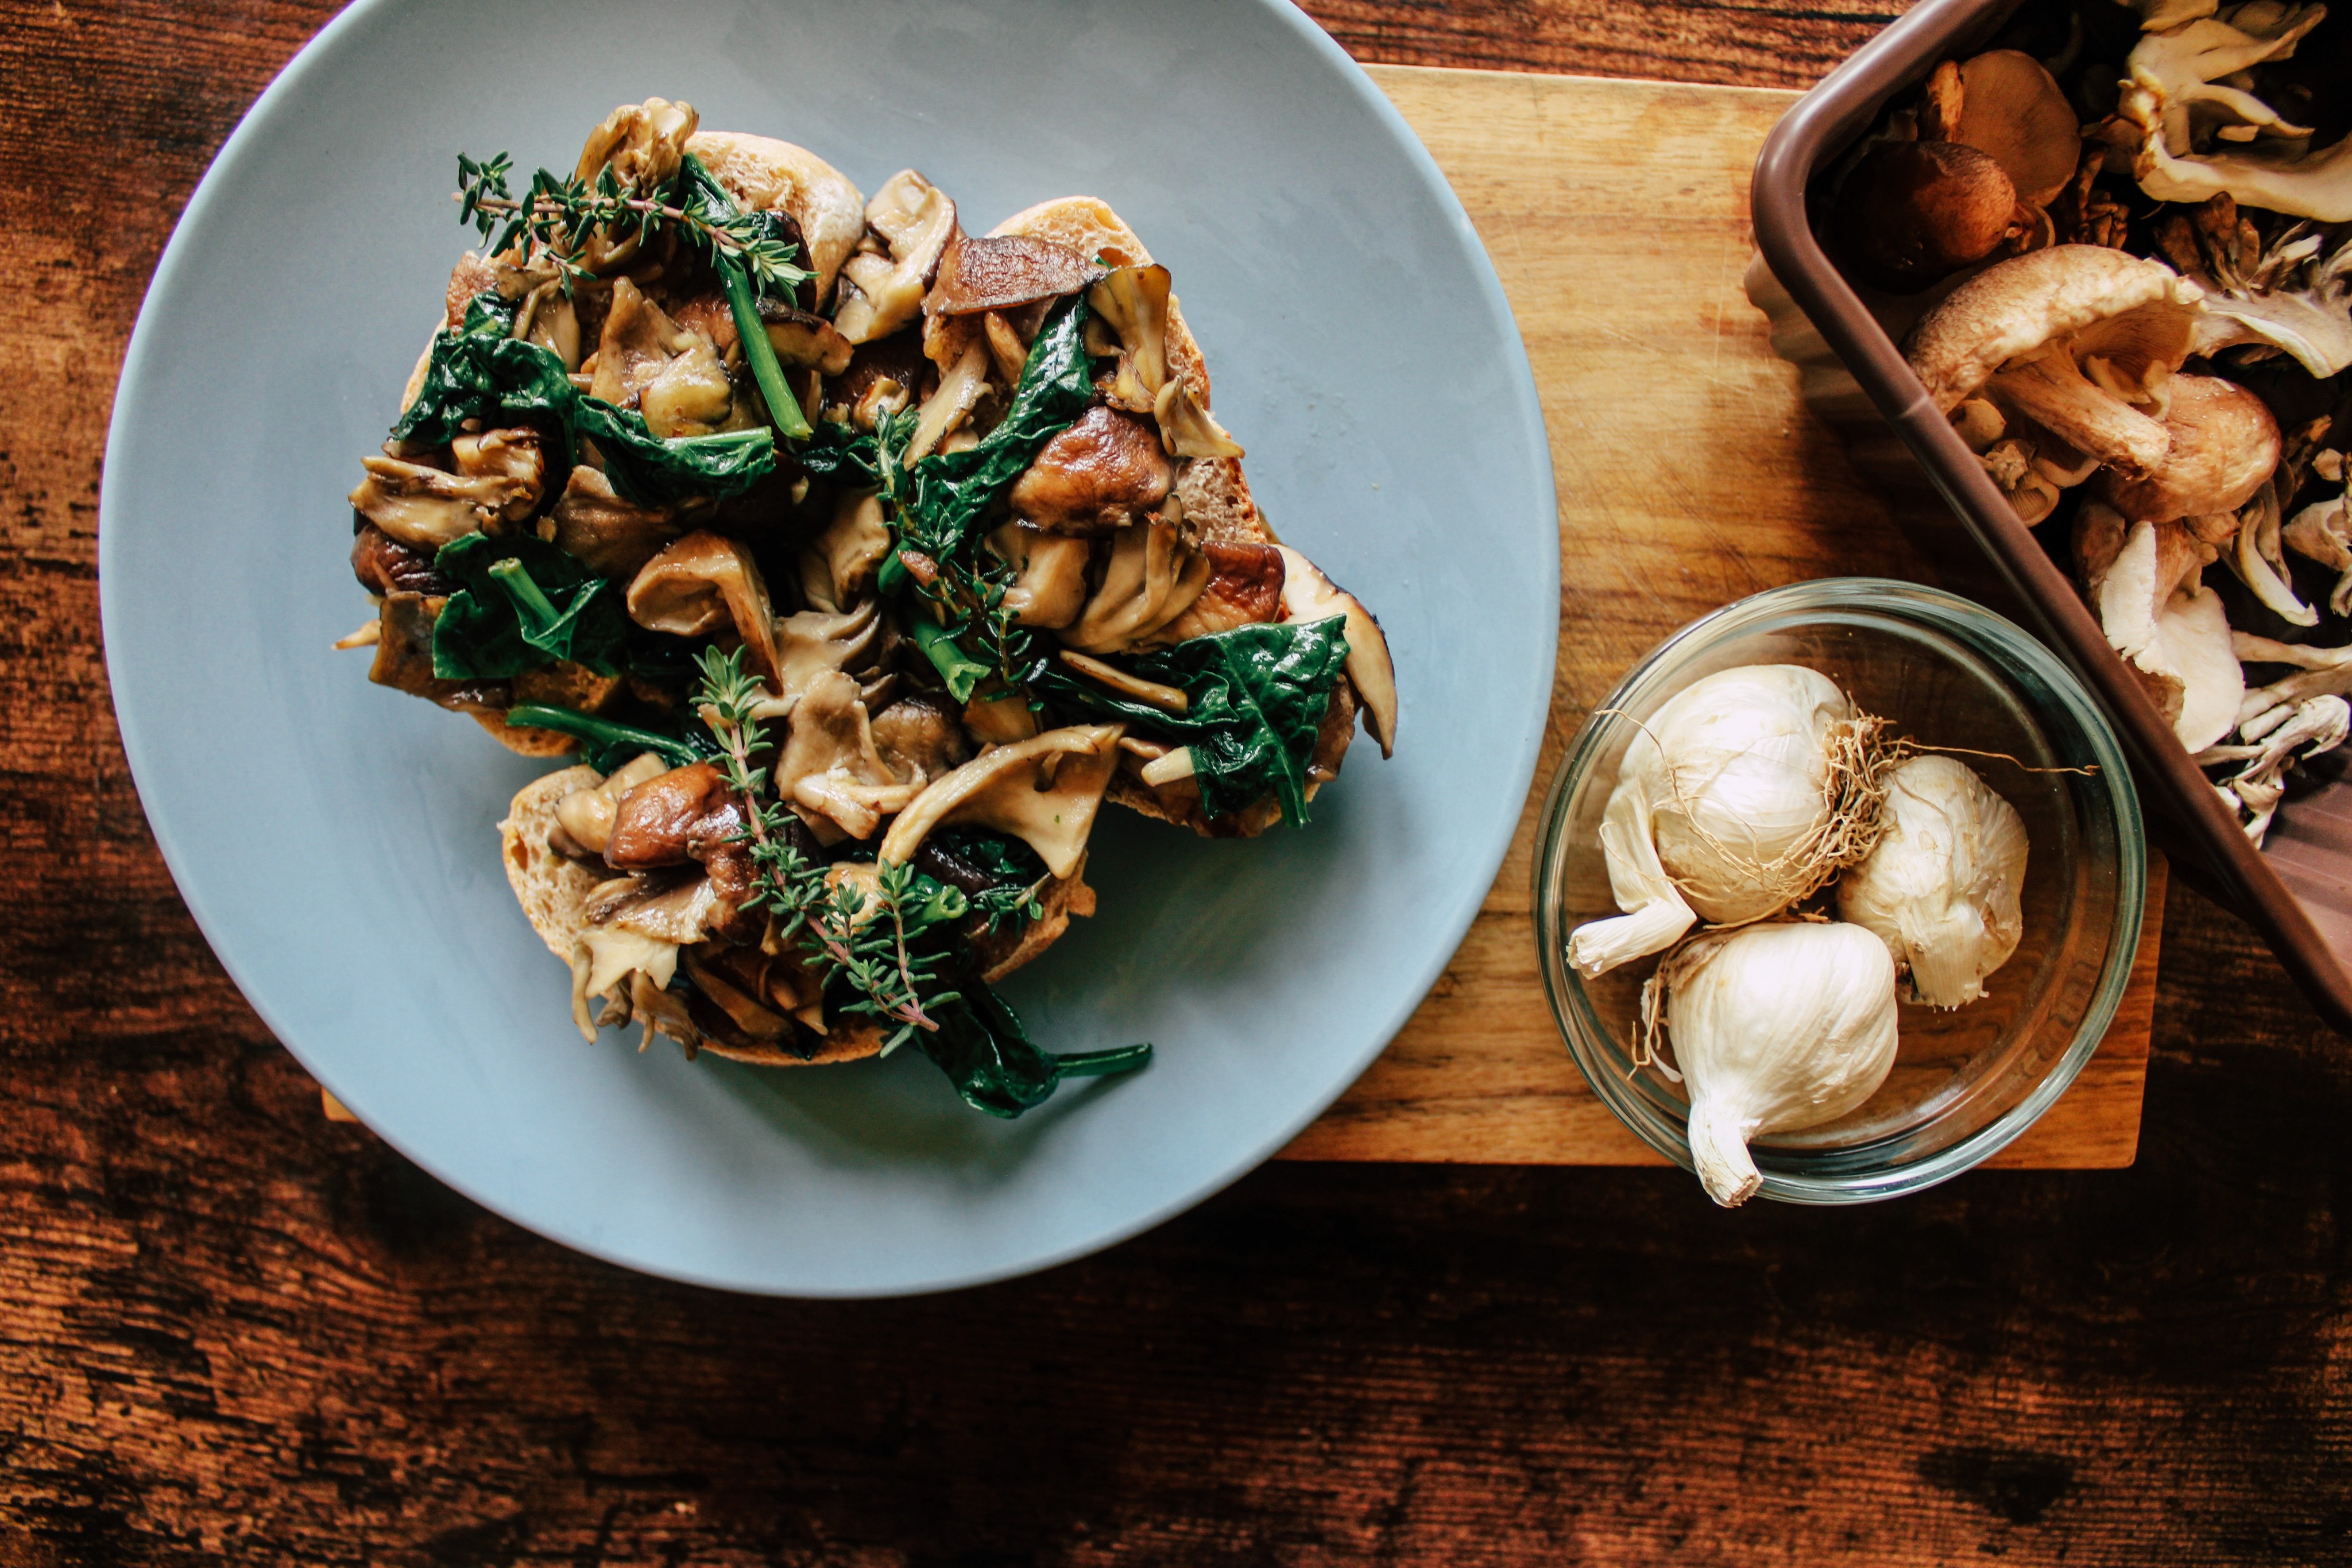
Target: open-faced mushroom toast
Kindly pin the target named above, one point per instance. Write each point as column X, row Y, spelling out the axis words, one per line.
column 856, row 559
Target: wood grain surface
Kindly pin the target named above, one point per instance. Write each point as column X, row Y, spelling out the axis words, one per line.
column 236, row 1332
column 1689, row 475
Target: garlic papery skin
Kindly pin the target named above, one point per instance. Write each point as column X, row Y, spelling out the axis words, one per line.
column 1728, row 776
column 1775, row 1028
column 1941, row 888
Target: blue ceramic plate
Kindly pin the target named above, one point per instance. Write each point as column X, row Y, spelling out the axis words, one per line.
column 337, row 841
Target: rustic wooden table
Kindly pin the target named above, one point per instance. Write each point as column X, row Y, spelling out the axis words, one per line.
column 235, row 1331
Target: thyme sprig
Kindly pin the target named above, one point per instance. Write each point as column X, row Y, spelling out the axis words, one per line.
column 866, row 936
column 560, row 212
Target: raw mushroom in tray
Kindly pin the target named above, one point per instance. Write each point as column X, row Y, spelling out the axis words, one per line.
column 2149, row 347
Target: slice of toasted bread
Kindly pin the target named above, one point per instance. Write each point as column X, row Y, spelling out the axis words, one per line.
column 1217, row 501
column 553, row 888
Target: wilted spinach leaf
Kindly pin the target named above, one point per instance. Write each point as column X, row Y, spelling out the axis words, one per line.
column 605, row 745
column 526, row 603
column 1257, row 694
column 478, row 372
column 987, row 1055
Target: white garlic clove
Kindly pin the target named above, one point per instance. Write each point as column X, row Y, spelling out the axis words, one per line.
column 1776, row 1028
column 1942, row 887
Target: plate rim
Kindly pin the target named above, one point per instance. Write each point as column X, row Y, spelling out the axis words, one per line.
column 1454, row 924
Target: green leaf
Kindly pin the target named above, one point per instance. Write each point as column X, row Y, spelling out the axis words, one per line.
column 986, row 1053
column 477, row 372
column 525, row 604
column 605, row 746
column 1257, row 696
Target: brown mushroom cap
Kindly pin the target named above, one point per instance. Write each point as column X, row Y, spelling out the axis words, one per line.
column 1005, row 272
column 1914, row 212
column 2015, row 111
column 2225, row 446
column 2079, row 340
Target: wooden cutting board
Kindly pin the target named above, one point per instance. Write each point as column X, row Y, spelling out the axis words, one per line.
column 1689, row 476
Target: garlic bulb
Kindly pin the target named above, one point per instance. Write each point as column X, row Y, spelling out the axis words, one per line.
column 1941, row 887
column 1776, row 1028
column 1730, row 780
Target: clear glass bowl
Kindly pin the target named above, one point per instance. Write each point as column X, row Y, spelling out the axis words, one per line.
column 1949, row 672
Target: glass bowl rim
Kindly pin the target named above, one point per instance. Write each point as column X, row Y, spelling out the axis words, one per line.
column 2005, row 645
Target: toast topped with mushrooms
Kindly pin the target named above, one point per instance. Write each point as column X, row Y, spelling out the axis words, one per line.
column 853, row 559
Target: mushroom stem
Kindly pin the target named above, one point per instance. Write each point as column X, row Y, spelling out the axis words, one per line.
column 2053, row 393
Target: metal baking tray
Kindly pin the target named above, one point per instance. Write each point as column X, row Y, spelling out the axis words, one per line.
column 2297, row 892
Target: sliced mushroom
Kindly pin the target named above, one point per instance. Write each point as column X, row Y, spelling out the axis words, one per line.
column 999, row 719
column 1105, row 471
column 586, row 815
column 1044, row 791
column 1151, row 579
column 841, row 562
column 669, row 373
column 919, row 737
column 1127, row 315
column 425, row 508
column 947, row 408
column 830, row 768
column 804, row 341
column 1049, row 585
column 508, row 456
column 1005, row 272
column 2222, row 445
column 610, row 537
column 1309, row 595
column 703, row 582
column 643, row 145
column 1186, row 428
column 815, row 644
column 2259, row 559
column 675, row 816
column 2079, row 340
column 916, row 220
column 1245, row 589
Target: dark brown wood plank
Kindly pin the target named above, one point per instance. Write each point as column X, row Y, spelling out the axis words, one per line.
column 236, row 1332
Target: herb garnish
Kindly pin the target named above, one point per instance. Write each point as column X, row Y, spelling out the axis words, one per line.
column 891, row 948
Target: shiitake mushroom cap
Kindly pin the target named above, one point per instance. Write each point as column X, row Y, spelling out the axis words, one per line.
column 1914, row 212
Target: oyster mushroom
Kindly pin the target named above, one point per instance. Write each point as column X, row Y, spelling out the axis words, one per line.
column 1003, row 272
column 612, row 537
column 2182, row 81
column 1127, row 316
column 642, row 145
column 2222, row 445
column 2316, row 724
column 915, row 221
column 1049, row 584
column 919, row 737
column 1309, row 595
column 2319, row 671
column 2322, row 532
column 815, row 644
column 671, row 375
column 2294, row 294
column 804, row 341
column 1245, row 589
column 1044, row 791
column 1151, row 578
column 2168, row 627
column 425, row 508
column 587, row 814
column 830, row 768
column 701, row 583
column 843, row 560
column 2078, row 339
column 2260, row 558
column 1103, row 473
